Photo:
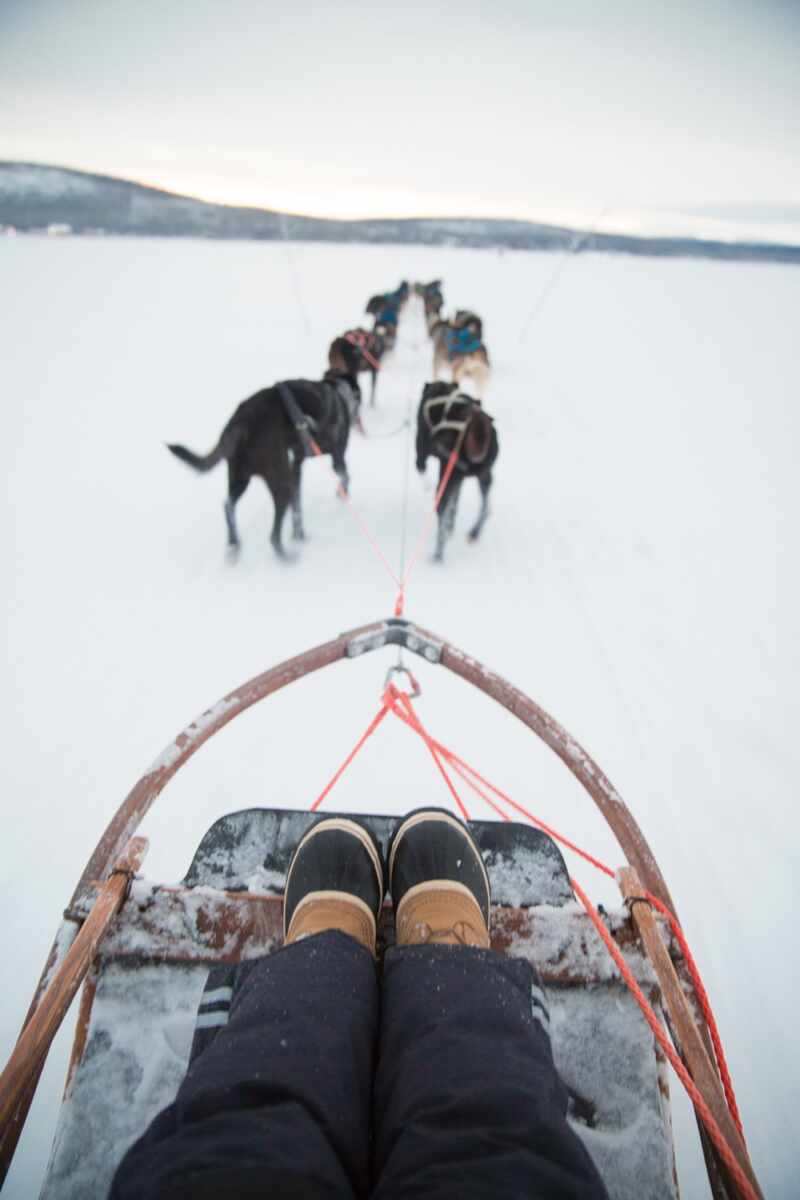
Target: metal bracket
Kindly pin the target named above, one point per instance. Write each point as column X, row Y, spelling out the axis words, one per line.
column 396, row 631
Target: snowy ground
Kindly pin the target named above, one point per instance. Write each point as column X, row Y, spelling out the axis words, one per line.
column 638, row 577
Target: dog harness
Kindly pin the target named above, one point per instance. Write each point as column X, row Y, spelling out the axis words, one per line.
column 361, row 339
column 461, row 341
column 455, row 413
column 338, row 397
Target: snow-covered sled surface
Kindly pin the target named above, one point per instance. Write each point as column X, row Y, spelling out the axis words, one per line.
column 143, row 1013
column 637, row 577
column 141, row 1033
column 251, row 850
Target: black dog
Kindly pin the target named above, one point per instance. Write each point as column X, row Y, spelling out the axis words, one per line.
column 356, row 351
column 271, row 433
column 432, row 298
column 447, row 420
column 396, row 299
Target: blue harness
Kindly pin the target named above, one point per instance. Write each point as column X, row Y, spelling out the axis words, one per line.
column 462, row 341
column 387, row 315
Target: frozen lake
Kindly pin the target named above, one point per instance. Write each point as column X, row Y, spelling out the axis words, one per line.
column 638, row 577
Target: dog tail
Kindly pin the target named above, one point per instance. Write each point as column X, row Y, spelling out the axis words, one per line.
column 200, row 462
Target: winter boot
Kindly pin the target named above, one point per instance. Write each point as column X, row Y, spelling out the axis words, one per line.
column 335, row 881
column 439, row 885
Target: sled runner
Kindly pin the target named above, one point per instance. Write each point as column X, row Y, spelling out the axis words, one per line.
column 146, row 967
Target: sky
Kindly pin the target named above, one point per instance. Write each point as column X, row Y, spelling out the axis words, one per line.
column 515, row 109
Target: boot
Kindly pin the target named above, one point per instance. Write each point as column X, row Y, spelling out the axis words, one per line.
column 440, row 887
column 335, row 881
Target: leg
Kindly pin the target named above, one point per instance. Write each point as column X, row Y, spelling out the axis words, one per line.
column 340, row 467
column 279, row 1102
column 298, row 530
column 484, row 483
column 237, row 486
column 277, row 1098
column 467, row 1096
column 281, row 491
column 373, row 385
column 448, row 507
column 481, row 376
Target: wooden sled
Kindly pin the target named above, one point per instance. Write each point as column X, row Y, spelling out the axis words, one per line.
column 144, row 951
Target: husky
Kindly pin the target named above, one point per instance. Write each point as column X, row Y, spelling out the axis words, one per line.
column 447, row 419
column 359, row 350
column 270, row 434
column 458, row 345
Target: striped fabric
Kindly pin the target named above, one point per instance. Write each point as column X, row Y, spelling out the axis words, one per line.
column 539, row 1009
column 214, row 1008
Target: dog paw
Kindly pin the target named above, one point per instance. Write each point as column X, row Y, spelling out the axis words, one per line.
column 232, row 552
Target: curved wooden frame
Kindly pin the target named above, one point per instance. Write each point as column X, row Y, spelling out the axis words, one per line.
column 143, row 795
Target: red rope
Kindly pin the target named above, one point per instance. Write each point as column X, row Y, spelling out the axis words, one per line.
column 456, row 762
column 705, row 1006
column 464, row 770
column 398, row 697
column 423, row 537
column 400, row 599
column 479, row 791
column 370, row 538
column 714, row 1131
column 401, row 705
column 373, row 725
column 368, row 534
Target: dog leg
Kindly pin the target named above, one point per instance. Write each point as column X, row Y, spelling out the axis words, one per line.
column 438, row 554
column 237, row 486
column 447, row 515
column 484, row 483
column 282, row 498
column 275, row 537
column 298, row 530
column 340, row 467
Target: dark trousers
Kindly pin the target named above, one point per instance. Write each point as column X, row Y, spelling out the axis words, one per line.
column 435, row 1081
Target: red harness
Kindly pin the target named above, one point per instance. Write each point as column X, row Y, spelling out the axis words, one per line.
column 360, row 340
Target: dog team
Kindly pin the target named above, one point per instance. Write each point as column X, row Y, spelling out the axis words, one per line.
column 273, row 431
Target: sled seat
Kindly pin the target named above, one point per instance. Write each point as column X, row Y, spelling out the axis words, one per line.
column 139, row 1003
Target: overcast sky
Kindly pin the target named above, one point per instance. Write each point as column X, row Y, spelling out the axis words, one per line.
column 510, row 108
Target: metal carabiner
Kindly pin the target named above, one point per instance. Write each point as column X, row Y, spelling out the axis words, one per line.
column 398, row 669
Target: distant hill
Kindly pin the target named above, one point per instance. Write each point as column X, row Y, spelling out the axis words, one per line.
column 35, row 197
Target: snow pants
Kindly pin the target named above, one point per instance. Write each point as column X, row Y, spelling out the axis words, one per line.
column 312, row 1075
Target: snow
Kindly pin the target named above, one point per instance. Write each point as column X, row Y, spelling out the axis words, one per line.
column 191, row 734
column 67, row 932
column 637, row 577
column 138, row 1061
column 605, row 1050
